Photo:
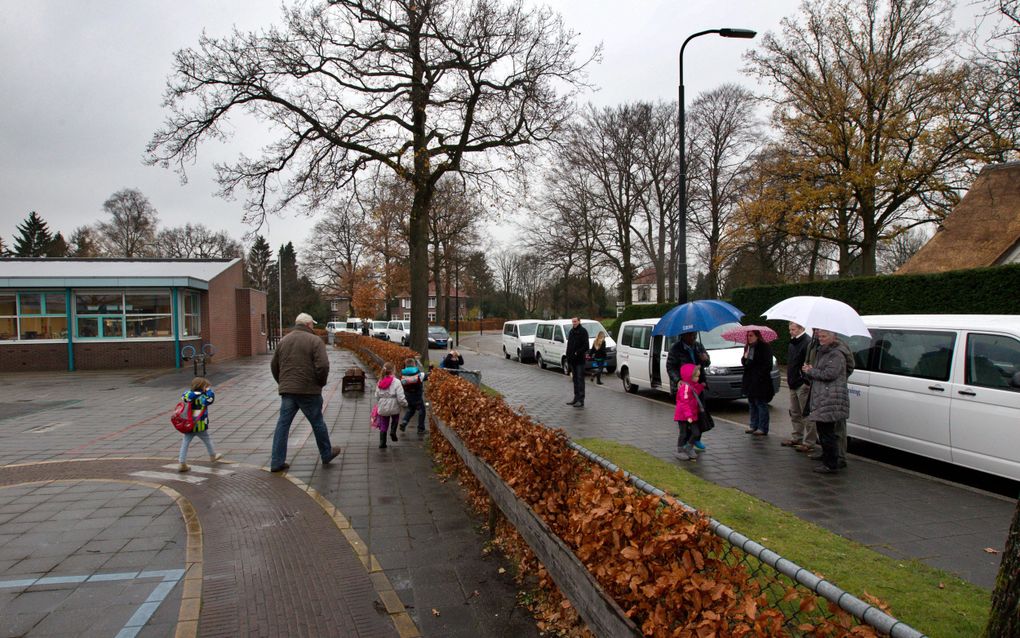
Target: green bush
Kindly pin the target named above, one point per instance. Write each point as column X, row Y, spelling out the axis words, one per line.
column 975, row 291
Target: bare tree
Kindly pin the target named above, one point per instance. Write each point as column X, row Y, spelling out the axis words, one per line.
column 195, row 241
column 659, row 158
column 337, row 246
column 530, row 281
column 84, row 243
column 389, row 204
column 130, row 230
column 423, row 87
column 505, row 263
column 722, row 134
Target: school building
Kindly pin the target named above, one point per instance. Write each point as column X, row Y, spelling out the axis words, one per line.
column 92, row 314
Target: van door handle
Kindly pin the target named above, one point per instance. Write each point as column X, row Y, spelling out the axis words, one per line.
column 968, row 393
column 936, row 388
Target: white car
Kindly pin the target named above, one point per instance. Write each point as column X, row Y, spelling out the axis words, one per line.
column 399, row 332
column 942, row 386
column 519, row 339
column 378, row 330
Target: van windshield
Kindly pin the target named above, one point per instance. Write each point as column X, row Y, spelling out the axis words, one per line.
column 527, row 329
column 593, row 328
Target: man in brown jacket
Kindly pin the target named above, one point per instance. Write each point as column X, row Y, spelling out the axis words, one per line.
column 300, row 367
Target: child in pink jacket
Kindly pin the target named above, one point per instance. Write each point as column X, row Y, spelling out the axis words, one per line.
column 686, row 414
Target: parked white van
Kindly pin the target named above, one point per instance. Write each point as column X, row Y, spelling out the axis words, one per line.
column 941, row 386
column 641, row 359
column 519, row 339
column 399, row 332
column 551, row 343
column 335, row 326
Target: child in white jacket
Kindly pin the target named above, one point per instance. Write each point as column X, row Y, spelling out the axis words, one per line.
column 389, row 396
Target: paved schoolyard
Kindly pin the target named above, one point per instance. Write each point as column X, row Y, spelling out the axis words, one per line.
column 372, row 544
column 895, row 511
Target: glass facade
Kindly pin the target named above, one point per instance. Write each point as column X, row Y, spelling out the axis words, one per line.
column 32, row 316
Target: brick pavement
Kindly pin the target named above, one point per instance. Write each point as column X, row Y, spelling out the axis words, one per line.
column 896, row 512
column 428, row 549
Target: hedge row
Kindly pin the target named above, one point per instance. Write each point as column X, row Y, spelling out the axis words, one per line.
column 975, row 291
column 638, row 311
column 662, row 564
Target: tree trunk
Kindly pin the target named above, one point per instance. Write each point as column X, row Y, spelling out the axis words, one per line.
column 424, row 187
column 627, row 276
column 1004, row 619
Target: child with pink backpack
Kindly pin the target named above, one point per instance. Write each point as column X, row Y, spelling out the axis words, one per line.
column 389, row 396
column 687, row 413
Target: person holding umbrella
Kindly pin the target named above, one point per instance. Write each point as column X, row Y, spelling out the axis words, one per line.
column 829, row 400
column 757, row 381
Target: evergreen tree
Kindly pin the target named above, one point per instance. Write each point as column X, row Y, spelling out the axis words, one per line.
column 58, row 247
column 259, row 257
column 33, row 239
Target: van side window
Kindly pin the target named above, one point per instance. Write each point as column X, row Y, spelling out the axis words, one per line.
column 992, row 360
column 861, row 347
column 508, row 329
column 558, row 335
column 642, row 337
column 912, row 353
column 628, row 335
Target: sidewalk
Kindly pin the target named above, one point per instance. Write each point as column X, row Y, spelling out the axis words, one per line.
column 276, row 561
column 896, row 512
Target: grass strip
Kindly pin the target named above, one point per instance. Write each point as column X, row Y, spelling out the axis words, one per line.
column 930, row 600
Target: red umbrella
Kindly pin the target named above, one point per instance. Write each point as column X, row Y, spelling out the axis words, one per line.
column 739, row 334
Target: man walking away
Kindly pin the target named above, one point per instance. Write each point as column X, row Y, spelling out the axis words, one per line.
column 805, row 435
column 577, row 348
column 301, row 368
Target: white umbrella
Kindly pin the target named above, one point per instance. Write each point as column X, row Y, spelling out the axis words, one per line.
column 820, row 312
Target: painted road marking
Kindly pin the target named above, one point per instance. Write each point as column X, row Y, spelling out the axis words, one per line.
column 169, row 579
column 39, row 429
column 201, row 469
column 166, row 476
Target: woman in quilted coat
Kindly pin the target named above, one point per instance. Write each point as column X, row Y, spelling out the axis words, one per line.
column 829, row 400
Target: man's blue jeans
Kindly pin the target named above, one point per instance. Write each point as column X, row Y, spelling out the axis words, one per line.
column 414, row 405
column 311, row 406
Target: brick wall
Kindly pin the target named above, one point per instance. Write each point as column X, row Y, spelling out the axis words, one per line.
column 222, row 303
column 251, row 310
column 111, row 355
column 37, row 357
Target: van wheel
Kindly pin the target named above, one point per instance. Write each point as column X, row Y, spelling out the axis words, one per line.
column 627, row 385
column 563, row 366
column 540, row 361
column 505, row 353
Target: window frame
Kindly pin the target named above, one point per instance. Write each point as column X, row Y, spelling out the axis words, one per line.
column 967, row 361
column 123, row 316
column 43, row 314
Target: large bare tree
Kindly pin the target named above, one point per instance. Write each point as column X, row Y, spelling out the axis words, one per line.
column 422, row 87
column 130, row 230
column 195, row 241
column 871, row 105
column 337, row 246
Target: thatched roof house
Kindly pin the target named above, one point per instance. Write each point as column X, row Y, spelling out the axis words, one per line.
column 983, row 230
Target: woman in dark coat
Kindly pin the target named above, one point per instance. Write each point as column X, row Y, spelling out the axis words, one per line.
column 757, row 382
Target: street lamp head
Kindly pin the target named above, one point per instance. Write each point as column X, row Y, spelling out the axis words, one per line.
column 746, row 34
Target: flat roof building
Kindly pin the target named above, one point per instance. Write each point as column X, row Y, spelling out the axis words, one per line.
column 88, row 314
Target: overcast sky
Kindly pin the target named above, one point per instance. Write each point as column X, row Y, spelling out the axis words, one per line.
column 81, row 87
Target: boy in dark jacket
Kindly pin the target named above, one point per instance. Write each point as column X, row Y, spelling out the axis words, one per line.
column 413, row 381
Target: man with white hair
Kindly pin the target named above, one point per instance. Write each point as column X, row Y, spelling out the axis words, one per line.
column 301, row 368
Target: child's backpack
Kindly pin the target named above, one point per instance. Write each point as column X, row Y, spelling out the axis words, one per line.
column 182, row 417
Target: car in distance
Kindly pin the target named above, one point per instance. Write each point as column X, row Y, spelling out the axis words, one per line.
column 438, row 337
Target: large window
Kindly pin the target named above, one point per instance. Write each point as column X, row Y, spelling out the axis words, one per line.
column 992, row 360
column 117, row 315
column 32, row 316
column 912, row 353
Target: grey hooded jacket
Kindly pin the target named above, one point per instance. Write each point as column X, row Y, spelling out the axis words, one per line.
column 830, row 399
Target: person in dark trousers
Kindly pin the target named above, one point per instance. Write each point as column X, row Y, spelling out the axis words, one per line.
column 577, row 348
column 830, row 397
column 301, row 367
column 840, row 425
column 598, row 356
column 687, row 349
column 757, row 382
column 452, row 361
column 805, row 436
column 413, row 381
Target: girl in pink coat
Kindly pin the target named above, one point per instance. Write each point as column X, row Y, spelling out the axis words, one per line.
column 686, row 414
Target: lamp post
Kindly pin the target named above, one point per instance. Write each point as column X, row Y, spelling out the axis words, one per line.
column 682, row 234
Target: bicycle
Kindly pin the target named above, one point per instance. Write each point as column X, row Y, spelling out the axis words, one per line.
column 189, row 353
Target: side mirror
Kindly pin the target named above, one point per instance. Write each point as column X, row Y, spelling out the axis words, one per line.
column 1014, row 381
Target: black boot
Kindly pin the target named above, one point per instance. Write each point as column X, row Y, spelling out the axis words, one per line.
column 382, row 439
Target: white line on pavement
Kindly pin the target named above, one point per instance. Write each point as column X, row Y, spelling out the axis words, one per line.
column 167, row 476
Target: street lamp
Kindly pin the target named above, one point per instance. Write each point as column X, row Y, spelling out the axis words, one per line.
column 682, row 234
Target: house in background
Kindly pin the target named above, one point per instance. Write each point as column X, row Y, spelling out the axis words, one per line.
column 339, row 307
column 983, row 229
column 643, row 289
column 89, row 314
column 402, row 309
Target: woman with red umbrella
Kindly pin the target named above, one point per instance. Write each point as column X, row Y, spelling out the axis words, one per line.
column 757, row 382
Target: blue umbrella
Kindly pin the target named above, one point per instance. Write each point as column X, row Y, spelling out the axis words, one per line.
column 696, row 316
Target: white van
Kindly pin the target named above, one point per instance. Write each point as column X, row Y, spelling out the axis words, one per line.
column 641, row 359
column 551, row 343
column 519, row 339
column 335, row 326
column 399, row 332
column 941, row 386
